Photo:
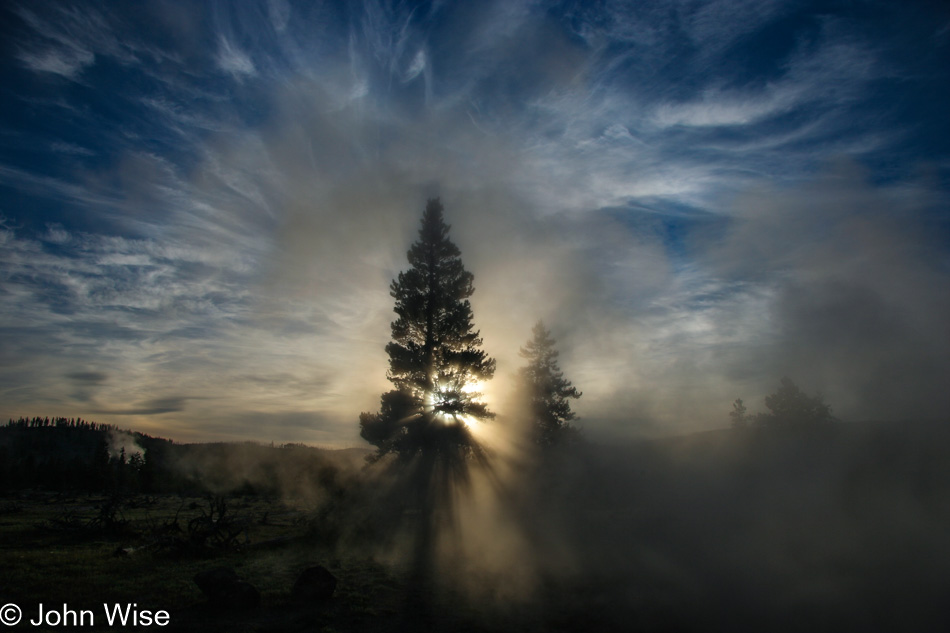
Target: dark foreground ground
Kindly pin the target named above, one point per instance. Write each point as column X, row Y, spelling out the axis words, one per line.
column 844, row 531
column 56, row 551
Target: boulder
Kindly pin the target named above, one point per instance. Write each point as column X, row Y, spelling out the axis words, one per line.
column 224, row 589
column 315, row 584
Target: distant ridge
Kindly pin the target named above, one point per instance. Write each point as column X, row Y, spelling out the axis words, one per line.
column 72, row 454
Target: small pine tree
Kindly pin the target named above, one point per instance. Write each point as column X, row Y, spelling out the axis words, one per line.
column 435, row 360
column 546, row 391
column 739, row 415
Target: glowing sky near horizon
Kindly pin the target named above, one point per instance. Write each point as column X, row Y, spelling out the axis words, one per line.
column 202, row 205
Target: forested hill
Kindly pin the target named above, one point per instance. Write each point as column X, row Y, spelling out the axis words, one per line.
column 72, row 454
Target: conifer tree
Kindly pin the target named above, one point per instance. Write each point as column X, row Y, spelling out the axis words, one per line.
column 546, row 390
column 739, row 415
column 790, row 408
column 435, row 356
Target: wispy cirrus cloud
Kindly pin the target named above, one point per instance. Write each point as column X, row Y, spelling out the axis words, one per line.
column 231, row 59
column 67, row 62
column 718, row 108
column 66, row 41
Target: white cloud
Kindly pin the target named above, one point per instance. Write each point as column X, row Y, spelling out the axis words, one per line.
column 717, row 108
column 56, row 234
column 68, row 39
column 416, row 67
column 279, row 12
column 232, row 60
column 71, row 148
column 68, row 63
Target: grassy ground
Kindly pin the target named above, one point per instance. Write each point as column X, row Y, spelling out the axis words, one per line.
column 55, row 549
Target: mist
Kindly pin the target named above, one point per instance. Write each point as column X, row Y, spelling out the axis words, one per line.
column 833, row 527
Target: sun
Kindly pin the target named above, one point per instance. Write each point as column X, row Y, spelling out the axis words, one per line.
column 448, row 403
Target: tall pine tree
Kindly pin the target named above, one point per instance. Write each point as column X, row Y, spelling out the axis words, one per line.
column 435, row 357
column 546, row 391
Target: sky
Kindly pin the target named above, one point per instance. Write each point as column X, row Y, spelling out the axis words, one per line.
column 202, row 205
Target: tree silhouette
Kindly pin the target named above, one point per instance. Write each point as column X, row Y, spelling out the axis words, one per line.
column 546, row 391
column 435, row 365
column 791, row 408
column 435, row 360
column 739, row 415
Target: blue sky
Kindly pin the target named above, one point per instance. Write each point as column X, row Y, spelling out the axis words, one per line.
column 202, row 204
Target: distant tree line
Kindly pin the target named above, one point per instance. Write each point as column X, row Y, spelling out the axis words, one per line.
column 80, row 456
column 789, row 410
column 72, row 423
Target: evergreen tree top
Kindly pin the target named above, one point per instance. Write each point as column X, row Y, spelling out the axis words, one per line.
column 541, row 346
column 433, row 246
column 433, row 228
